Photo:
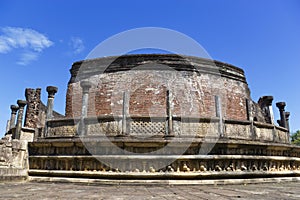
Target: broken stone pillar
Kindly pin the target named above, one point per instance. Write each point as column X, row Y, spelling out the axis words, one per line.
column 21, row 104
column 33, row 98
column 282, row 121
column 51, row 93
column 7, row 126
column 265, row 104
column 12, row 121
column 85, row 85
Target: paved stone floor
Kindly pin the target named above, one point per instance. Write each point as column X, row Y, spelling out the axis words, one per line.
column 35, row 190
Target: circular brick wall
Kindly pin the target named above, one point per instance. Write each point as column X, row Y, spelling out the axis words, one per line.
column 193, row 84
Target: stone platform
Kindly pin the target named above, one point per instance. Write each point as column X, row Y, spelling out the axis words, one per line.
column 150, row 117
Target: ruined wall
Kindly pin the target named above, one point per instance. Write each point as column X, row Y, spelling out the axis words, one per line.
column 14, row 155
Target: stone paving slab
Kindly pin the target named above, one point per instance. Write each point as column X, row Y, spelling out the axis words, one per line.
column 50, row 190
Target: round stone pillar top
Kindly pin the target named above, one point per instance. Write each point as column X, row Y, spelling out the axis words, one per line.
column 280, row 105
column 51, row 91
column 85, row 85
column 14, row 108
column 21, row 103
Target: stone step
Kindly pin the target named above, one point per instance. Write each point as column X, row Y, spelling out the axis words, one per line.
column 162, row 175
column 13, row 174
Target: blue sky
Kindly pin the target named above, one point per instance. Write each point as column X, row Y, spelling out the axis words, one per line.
column 39, row 41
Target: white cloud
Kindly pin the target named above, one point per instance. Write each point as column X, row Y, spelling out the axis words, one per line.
column 27, row 57
column 77, row 44
column 29, row 40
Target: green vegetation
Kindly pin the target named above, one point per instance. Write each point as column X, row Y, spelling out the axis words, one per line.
column 296, row 138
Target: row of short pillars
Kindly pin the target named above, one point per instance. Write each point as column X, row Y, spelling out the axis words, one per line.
column 18, row 110
column 86, row 85
column 265, row 103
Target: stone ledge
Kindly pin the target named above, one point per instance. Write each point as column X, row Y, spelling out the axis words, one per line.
column 163, row 182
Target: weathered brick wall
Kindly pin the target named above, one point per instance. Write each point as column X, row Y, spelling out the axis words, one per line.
column 193, row 92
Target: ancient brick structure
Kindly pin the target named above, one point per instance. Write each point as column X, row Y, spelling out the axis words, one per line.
column 146, row 79
column 153, row 117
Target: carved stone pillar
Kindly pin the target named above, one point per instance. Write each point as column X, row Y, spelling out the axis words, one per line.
column 265, row 104
column 51, row 93
column 282, row 121
column 85, row 85
column 12, row 121
column 21, row 104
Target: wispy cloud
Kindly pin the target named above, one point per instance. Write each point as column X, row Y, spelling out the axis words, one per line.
column 77, row 45
column 27, row 57
column 29, row 40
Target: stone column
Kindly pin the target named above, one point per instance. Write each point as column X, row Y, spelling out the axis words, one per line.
column 282, row 121
column 125, row 110
column 249, row 110
column 85, row 85
column 21, row 104
column 14, row 110
column 7, row 126
column 265, row 104
column 51, row 93
column 169, row 113
column 219, row 114
column 287, row 117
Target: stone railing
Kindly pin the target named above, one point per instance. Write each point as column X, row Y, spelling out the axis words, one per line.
column 61, row 127
column 139, row 126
